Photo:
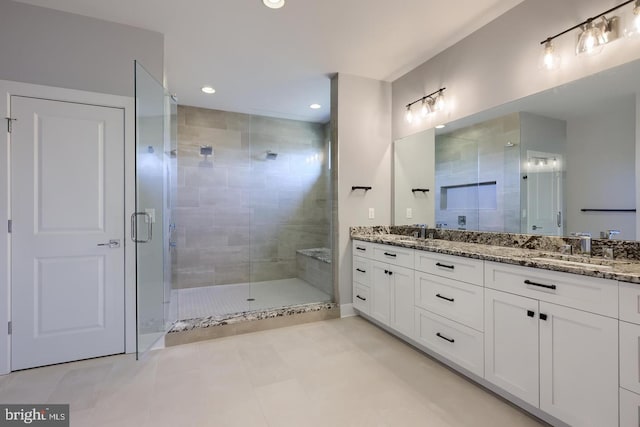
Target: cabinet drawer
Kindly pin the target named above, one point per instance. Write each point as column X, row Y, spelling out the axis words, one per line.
column 361, row 298
column 453, row 267
column 363, row 249
column 393, row 255
column 362, row 270
column 629, row 409
column 572, row 290
column 458, row 343
column 630, row 356
column 454, row 300
column 630, row 302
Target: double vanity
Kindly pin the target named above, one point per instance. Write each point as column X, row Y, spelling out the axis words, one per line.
column 558, row 335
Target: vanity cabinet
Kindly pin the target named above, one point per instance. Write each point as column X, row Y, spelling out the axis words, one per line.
column 383, row 285
column 556, row 357
column 551, row 339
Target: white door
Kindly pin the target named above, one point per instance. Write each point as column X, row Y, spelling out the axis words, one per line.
column 402, row 297
column 67, row 202
column 511, row 344
column 544, row 194
column 578, row 366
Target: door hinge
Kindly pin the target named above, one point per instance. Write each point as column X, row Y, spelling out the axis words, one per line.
column 10, row 226
column 10, row 123
column 9, row 328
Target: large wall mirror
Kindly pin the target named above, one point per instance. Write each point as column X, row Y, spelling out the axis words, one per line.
column 554, row 163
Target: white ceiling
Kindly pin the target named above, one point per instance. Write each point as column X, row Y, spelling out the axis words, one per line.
column 278, row 62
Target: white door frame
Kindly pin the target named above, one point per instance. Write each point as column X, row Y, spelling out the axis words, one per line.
column 7, row 89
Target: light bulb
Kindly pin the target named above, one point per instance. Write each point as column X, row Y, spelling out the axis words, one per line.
column 550, row 59
column 409, row 115
column 439, row 104
column 591, row 40
column 633, row 28
column 273, row 4
column 426, row 108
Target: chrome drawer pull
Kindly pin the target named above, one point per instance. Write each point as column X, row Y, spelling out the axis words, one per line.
column 445, row 265
column 451, row 340
column 445, row 298
column 529, row 282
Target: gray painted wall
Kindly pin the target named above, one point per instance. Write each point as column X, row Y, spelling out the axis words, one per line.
column 53, row 48
column 363, row 138
column 499, row 62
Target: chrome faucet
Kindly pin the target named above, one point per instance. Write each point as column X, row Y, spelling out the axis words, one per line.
column 609, row 234
column 585, row 243
column 423, row 231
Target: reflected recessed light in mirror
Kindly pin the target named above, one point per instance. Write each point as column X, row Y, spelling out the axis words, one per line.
column 208, row 90
column 315, row 106
column 273, row 4
column 440, row 126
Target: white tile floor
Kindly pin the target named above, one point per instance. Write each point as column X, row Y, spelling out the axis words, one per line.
column 194, row 303
column 343, row 372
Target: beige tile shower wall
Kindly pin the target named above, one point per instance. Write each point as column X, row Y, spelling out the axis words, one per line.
column 241, row 217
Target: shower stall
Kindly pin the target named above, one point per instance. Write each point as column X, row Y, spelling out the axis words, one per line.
column 252, row 215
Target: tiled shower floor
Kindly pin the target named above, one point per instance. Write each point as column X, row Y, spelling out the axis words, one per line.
column 221, row 300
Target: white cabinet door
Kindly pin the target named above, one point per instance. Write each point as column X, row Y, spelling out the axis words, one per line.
column 630, row 356
column 380, row 301
column 402, row 297
column 629, row 409
column 511, row 344
column 578, row 366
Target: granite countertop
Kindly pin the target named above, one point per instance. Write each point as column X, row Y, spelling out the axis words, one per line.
column 624, row 270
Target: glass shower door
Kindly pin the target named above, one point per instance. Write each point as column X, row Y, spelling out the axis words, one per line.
column 149, row 227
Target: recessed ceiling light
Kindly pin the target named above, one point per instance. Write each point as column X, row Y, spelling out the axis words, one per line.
column 208, row 89
column 273, row 4
column 440, row 126
column 315, row 106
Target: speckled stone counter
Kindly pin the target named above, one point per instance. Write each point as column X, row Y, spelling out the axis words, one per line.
column 518, row 249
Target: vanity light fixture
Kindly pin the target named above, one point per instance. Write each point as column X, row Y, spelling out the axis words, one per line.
column 595, row 32
column 273, row 4
column 430, row 103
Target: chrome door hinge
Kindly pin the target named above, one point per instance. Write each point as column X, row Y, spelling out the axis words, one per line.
column 10, row 123
column 10, row 226
column 9, row 328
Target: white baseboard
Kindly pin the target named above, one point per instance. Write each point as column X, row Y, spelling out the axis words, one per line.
column 346, row 310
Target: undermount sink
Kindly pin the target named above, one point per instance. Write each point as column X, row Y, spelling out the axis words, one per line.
column 579, row 261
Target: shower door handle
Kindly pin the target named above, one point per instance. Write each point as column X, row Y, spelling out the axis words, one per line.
column 134, row 227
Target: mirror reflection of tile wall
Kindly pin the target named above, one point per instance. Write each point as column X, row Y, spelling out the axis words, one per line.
column 477, row 172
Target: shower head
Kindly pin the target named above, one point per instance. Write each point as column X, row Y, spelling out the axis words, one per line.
column 271, row 155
